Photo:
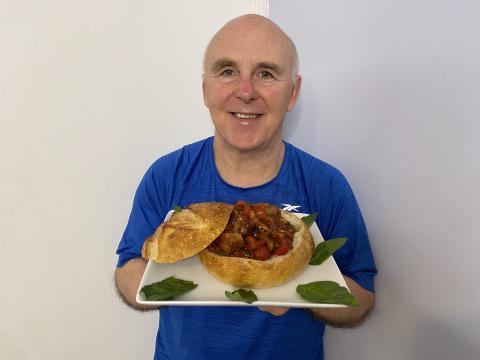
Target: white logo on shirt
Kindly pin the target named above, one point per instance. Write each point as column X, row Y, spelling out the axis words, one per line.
column 289, row 207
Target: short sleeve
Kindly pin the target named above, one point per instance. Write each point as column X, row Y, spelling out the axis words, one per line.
column 147, row 213
column 341, row 217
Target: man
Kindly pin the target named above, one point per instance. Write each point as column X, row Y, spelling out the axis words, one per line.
column 250, row 81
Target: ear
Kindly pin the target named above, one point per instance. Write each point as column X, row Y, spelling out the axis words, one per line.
column 204, row 92
column 295, row 92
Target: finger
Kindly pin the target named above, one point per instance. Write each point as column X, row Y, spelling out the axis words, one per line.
column 274, row 310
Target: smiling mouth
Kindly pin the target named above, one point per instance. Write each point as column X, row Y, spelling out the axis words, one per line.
column 245, row 116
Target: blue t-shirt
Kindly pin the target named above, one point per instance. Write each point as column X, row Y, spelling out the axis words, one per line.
column 303, row 184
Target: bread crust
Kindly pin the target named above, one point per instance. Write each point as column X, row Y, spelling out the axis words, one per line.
column 187, row 232
column 252, row 273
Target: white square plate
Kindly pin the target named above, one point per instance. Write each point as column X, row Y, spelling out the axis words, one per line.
column 211, row 292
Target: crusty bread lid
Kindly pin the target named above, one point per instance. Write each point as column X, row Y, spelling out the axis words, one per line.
column 187, row 232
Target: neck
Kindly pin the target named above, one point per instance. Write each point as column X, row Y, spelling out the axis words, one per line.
column 250, row 167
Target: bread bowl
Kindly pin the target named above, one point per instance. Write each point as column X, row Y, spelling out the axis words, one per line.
column 242, row 270
column 246, row 245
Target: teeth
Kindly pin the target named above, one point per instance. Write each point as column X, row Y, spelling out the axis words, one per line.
column 246, row 116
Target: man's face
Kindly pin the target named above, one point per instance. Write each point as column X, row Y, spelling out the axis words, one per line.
column 248, row 85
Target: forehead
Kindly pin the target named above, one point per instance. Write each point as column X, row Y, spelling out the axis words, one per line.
column 250, row 43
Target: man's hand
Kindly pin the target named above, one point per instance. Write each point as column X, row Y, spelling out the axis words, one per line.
column 274, row 310
column 338, row 317
column 348, row 316
column 127, row 280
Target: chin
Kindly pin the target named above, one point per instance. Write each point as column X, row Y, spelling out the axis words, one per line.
column 242, row 143
column 246, row 138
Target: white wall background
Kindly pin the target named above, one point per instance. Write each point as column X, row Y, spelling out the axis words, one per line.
column 391, row 96
column 91, row 92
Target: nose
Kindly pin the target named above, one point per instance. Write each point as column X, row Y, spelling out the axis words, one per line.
column 246, row 89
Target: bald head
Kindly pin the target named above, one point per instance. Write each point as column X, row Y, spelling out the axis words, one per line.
column 256, row 28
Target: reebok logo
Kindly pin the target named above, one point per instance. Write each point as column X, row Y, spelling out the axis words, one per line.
column 288, row 207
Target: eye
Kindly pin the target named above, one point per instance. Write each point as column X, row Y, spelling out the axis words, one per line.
column 265, row 74
column 227, row 73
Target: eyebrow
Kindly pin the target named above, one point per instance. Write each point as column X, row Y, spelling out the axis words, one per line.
column 270, row 66
column 225, row 62
column 221, row 63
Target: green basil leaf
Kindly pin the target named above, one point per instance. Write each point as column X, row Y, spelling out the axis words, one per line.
column 177, row 208
column 247, row 296
column 309, row 219
column 325, row 249
column 166, row 289
column 326, row 292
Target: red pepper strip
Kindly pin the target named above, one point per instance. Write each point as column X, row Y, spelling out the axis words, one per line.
column 282, row 250
column 261, row 253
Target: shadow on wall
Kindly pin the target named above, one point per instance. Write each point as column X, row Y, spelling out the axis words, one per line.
column 302, row 126
column 408, row 331
column 299, row 127
column 292, row 120
column 437, row 340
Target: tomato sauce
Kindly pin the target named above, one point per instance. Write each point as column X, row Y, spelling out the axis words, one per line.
column 255, row 231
